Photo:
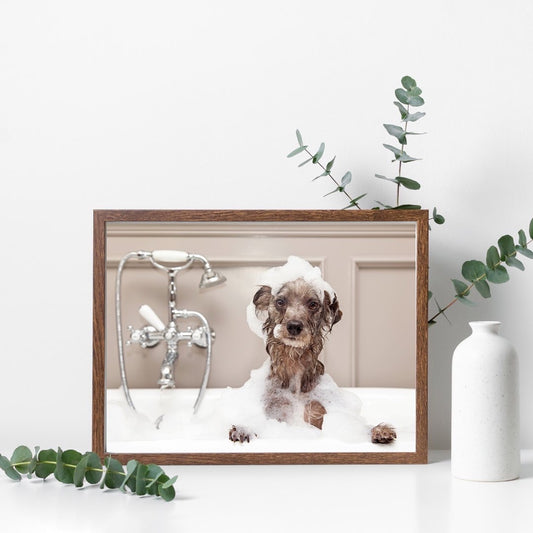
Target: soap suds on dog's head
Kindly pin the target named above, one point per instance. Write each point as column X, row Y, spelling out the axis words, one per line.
column 276, row 277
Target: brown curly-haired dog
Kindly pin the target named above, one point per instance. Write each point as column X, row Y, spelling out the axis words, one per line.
column 297, row 321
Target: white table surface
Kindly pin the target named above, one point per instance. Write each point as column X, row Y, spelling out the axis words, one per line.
column 293, row 498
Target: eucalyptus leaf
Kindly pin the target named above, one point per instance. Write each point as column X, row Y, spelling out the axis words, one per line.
column 319, row 154
column 321, row 175
column 413, row 117
column 399, row 154
column 397, row 132
column 531, row 228
column 62, row 473
column 498, row 274
column 337, row 189
column 21, row 458
column 408, row 83
column 437, row 218
column 94, row 471
column 166, row 492
column 140, row 486
column 297, row 151
column 473, row 270
column 353, row 202
column 522, row 239
column 525, row 251
column 514, row 262
column 79, row 472
column 305, row 162
column 299, row 138
column 407, row 207
column 493, row 257
column 402, row 96
column 346, row 179
column 483, row 288
column 408, row 183
column 46, row 463
column 7, row 467
column 506, row 246
column 409, row 97
column 461, row 288
column 329, row 166
column 114, row 473
column 403, row 111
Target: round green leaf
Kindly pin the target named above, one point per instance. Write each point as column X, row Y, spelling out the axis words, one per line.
column 531, row 228
column 473, row 270
column 493, row 257
column 5, row 465
column 140, row 485
column 346, row 179
column 408, row 83
column 79, row 472
column 483, row 288
column 461, row 288
column 46, row 463
column 498, row 274
column 21, row 459
column 506, row 246
column 166, row 492
column 114, row 473
column 94, row 471
column 401, row 94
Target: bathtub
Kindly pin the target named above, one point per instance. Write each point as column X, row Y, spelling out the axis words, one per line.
column 164, row 423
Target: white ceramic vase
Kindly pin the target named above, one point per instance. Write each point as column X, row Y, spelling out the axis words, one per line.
column 485, row 407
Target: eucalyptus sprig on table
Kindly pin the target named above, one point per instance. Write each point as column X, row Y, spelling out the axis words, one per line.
column 477, row 274
column 72, row 467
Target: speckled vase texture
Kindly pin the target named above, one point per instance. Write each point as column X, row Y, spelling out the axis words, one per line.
column 485, row 407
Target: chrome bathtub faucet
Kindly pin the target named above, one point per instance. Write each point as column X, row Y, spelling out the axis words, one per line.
column 157, row 331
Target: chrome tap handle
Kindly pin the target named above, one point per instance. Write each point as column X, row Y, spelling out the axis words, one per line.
column 147, row 337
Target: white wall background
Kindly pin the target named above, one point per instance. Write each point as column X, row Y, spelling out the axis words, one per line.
column 168, row 104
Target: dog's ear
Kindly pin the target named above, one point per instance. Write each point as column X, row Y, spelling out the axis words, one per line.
column 332, row 313
column 262, row 298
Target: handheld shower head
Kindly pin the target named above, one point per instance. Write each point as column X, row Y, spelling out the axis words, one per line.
column 210, row 278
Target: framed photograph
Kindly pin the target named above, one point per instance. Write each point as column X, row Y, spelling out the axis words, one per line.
column 260, row 337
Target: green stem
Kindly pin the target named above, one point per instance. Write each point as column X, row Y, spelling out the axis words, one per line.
column 400, row 166
column 333, row 179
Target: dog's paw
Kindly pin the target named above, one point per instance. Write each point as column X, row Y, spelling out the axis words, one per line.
column 383, row 434
column 240, row 434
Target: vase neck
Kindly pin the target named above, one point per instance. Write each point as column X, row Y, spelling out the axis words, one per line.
column 485, row 326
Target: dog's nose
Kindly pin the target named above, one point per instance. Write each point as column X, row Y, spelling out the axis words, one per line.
column 294, row 327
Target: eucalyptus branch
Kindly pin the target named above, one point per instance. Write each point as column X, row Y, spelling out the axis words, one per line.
column 479, row 274
column 315, row 159
column 70, row 466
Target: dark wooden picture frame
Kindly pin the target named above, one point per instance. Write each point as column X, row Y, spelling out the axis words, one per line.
column 102, row 218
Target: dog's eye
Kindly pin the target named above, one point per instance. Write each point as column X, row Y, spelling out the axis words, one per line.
column 313, row 305
column 280, row 302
